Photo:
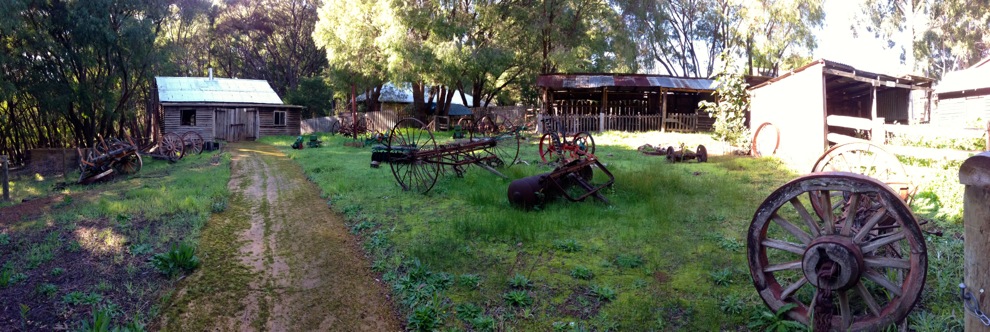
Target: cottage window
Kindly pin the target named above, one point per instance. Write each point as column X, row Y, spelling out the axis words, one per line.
column 188, row 118
column 279, row 118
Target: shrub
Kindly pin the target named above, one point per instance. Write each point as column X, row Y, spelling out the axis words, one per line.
column 603, row 293
column 581, row 272
column 518, row 298
column 520, row 281
column 569, row 245
column 180, row 258
column 629, row 261
column 722, row 277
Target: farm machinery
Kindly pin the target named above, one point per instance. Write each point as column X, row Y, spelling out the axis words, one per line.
column 108, row 157
column 416, row 159
column 573, row 180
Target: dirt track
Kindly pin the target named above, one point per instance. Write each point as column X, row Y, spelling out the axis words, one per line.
column 307, row 271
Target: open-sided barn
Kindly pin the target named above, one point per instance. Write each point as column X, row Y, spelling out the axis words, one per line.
column 827, row 102
column 224, row 109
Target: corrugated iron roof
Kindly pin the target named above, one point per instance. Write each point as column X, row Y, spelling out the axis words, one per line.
column 592, row 81
column 218, row 90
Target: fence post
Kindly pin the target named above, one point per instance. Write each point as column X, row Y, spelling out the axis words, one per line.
column 975, row 175
column 601, row 123
column 5, row 177
column 539, row 123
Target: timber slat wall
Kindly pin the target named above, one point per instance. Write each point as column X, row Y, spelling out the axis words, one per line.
column 204, row 122
column 267, row 127
column 962, row 112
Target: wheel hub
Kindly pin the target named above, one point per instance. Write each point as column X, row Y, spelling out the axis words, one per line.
column 847, row 257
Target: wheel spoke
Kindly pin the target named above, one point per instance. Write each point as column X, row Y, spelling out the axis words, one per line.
column 812, row 225
column 850, row 214
column 795, row 265
column 793, row 287
column 881, row 280
column 844, row 310
column 784, row 245
column 882, row 262
column 794, row 230
column 828, row 220
column 879, row 242
column 871, row 303
column 874, row 219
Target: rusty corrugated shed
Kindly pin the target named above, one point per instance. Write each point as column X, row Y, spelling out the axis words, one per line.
column 594, row 81
column 215, row 90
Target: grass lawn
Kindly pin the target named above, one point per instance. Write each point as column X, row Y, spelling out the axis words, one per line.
column 84, row 252
column 668, row 253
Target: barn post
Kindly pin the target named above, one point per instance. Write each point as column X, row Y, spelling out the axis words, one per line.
column 975, row 175
column 663, row 117
column 601, row 110
column 4, row 177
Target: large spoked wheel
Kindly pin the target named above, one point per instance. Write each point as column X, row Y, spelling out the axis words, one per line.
column 501, row 130
column 129, row 164
column 871, row 238
column 584, row 144
column 172, row 147
column 407, row 141
column 766, row 140
column 549, row 145
column 334, row 128
column 192, row 142
column 868, row 159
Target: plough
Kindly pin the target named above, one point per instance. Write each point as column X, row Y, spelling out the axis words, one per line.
column 416, row 159
column 573, row 181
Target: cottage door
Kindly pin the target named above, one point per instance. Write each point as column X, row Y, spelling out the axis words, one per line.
column 222, row 125
column 250, row 128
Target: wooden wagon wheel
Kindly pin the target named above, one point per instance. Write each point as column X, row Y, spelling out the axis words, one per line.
column 867, row 159
column 584, row 143
column 408, row 138
column 873, row 239
column 501, row 130
column 766, row 140
column 172, row 147
column 192, row 142
column 549, row 147
column 334, row 128
column 129, row 164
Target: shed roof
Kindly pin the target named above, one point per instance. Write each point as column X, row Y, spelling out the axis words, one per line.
column 972, row 78
column 592, row 81
column 215, row 90
column 844, row 70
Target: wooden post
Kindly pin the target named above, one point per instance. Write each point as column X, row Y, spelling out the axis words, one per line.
column 663, row 117
column 975, row 175
column 5, row 177
column 601, row 123
column 878, row 134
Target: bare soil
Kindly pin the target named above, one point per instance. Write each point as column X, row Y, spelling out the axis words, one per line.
column 307, row 271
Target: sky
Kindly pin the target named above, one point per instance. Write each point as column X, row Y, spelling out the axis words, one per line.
column 836, row 42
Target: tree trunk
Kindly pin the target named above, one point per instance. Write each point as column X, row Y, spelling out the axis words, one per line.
column 419, row 106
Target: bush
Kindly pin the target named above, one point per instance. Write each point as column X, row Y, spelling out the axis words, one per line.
column 181, row 258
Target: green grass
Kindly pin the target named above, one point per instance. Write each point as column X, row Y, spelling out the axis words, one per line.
column 114, row 227
column 668, row 252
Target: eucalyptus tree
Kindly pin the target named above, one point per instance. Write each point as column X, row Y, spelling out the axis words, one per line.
column 354, row 34
column 77, row 67
column 938, row 36
column 685, row 37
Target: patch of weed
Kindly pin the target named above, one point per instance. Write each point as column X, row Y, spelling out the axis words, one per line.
column 581, row 272
column 568, row 245
column 629, row 261
column 180, row 258
column 469, row 281
column 518, row 298
column 520, row 281
column 722, row 277
column 47, row 289
column 603, row 293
